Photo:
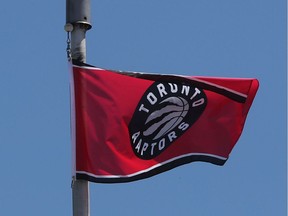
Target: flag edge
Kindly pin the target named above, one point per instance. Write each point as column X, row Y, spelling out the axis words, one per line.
column 189, row 158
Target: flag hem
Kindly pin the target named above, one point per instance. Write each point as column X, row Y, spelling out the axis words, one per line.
column 232, row 94
column 72, row 120
column 157, row 169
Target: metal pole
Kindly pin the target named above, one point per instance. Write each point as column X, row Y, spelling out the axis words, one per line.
column 78, row 22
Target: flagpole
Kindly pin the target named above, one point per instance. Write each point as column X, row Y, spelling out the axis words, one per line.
column 77, row 23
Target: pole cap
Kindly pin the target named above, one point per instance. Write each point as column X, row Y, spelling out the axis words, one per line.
column 78, row 12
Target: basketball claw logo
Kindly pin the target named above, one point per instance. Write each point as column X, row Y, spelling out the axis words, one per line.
column 171, row 112
column 164, row 113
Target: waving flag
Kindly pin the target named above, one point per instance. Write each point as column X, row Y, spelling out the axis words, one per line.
column 129, row 126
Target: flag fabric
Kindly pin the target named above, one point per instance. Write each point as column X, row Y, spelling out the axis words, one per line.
column 129, row 126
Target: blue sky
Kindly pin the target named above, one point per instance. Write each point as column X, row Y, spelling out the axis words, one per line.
column 227, row 38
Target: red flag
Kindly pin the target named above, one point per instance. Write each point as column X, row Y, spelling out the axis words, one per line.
column 130, row 126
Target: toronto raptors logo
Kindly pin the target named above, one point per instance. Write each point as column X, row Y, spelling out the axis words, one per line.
column 164, row 113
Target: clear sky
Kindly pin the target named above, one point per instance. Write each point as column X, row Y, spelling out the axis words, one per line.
column 227, row 38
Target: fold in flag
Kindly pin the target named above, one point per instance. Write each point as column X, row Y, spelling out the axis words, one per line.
column 129, row 126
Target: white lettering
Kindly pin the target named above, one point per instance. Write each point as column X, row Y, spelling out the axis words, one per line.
column 172, row 135
column 152, row 148
column 161, row 89
column 183, row 126
column 144, row 148
column 185, row 90
column 197, row 91
column 138, row 145
column 198, row 102
column 173, row 87
column 142, row 108
column 134, row 136
column 151, row 98
column 161, row 144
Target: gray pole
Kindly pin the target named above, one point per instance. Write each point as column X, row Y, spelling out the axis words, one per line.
column 78, row 22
